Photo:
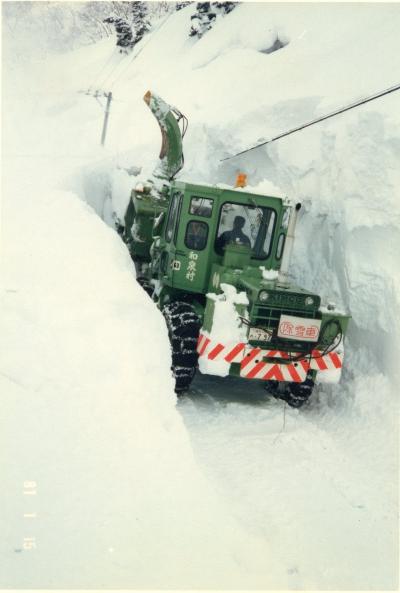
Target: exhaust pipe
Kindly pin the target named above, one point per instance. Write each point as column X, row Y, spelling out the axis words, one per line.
column 283, row 277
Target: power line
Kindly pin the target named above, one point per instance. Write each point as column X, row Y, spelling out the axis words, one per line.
column 141, row 49
column 317, row 120
column 114, row 69
column 103, row 76
column 102, row 69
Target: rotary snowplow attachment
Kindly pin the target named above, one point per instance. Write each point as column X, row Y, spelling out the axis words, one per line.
column 171, row 155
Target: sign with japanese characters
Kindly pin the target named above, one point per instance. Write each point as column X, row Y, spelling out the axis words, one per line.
column 298, row 328
column 192, row 266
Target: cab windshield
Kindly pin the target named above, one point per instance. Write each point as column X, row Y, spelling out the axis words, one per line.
column 246, row 225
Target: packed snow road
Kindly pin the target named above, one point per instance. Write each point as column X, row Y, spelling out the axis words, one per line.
column 297, row 478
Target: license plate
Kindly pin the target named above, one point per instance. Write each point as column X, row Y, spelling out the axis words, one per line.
column 298, row 328
column 259, row 335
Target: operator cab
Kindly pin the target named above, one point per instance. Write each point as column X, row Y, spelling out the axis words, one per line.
column 202, row 224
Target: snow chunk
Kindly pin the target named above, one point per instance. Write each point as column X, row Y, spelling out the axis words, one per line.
column 269, row 274
column 227, row 328
column 332, row 308
column 237, row 298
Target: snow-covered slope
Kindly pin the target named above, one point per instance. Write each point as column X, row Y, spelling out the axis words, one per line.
column 91, row 442
column 88, row 408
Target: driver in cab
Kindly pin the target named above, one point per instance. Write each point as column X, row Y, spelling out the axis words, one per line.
column 236, row 235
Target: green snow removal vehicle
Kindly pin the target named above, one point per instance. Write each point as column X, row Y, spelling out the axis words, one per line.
column 215, row 260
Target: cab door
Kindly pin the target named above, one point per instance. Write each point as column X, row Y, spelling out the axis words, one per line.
column 169, row 262
column 193, row 241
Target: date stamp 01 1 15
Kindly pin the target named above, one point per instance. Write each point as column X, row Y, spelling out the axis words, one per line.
column 29, row 540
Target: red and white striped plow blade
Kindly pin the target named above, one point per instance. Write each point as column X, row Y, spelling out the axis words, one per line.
column 216, row 351
column 253, row 364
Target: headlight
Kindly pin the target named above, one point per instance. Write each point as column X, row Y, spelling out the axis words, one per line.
column 309, row 301
column 263, row 296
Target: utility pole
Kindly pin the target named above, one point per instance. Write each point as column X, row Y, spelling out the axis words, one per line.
column 107, row 113
column 96, row 95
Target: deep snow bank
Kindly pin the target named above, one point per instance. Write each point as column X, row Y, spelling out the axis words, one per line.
column 88, row 415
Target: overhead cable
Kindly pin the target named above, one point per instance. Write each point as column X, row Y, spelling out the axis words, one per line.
column 135, row 55
column 319, row 119
column 102, row 70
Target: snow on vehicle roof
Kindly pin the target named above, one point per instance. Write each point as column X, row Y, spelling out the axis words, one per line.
column 264, row 188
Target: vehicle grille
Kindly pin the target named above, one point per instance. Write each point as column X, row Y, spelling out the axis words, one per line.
column 268, row 318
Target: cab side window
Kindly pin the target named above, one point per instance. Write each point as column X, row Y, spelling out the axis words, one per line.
column 172, row 217
column 201, row 206
column 196, row 235
column 281, row 243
